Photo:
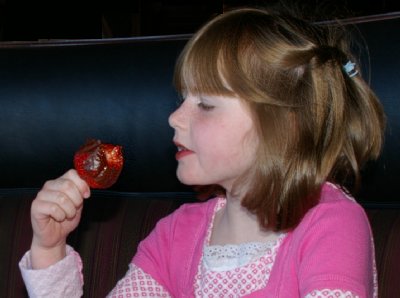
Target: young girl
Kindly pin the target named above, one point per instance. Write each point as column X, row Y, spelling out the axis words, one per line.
column 276, row 114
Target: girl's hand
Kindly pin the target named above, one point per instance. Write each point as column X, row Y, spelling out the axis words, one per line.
column 55, row 212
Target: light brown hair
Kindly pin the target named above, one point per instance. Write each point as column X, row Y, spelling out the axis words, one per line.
column 315, row 122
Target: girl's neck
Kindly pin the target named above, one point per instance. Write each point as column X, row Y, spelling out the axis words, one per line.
column 234, row 224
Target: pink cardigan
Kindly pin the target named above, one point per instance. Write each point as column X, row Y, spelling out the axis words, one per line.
column 331, row 248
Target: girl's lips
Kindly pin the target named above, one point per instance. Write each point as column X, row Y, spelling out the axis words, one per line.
column 182, row 151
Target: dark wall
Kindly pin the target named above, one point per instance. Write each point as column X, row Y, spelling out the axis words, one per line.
column 155, row 17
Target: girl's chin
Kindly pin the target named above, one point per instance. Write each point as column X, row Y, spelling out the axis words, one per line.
column 189, row 180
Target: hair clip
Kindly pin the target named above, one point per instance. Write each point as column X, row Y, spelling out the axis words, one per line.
column 350, row 69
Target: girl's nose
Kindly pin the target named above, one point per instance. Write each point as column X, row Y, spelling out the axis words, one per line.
column 176, row 119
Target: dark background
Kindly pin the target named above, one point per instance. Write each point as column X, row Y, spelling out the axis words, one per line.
column 35, row 20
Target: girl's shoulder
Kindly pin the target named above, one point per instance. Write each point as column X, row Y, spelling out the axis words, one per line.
column 332, row 193
column 337, row 209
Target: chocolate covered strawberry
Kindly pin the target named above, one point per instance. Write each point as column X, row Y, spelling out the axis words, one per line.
column 99, row 164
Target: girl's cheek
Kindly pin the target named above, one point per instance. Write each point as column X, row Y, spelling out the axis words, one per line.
column 201, row 128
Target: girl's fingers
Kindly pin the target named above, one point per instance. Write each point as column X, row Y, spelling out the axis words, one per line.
column 56, row 190
column 46, row 209
column 61, row 198
column 70, row 186
column 56, row 204
column 81, row 184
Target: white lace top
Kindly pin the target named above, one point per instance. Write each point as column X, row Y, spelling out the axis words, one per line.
column 228, row 257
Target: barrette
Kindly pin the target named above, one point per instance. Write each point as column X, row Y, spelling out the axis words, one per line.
column 350, row 69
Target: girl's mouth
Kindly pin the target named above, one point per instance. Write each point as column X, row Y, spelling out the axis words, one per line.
column 182, row 152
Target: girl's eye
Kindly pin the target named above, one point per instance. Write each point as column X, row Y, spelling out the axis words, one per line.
column 205, row 106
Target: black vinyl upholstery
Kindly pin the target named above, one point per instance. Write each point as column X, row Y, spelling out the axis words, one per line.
column 54, row 96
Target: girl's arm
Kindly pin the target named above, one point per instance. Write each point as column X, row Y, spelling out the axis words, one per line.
column 50, row 267
column 56, row 212
column 338, row 252
column 62, row 279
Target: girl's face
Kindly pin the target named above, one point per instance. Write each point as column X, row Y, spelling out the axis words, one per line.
column 216, row 140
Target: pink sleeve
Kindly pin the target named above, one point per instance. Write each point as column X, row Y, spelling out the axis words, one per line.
column 337, row 250
column 139, row 284
column 152, row 255
column 63, row 279
column 172, row 251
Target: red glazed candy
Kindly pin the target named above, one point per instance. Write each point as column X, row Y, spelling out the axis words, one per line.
column 99, row 164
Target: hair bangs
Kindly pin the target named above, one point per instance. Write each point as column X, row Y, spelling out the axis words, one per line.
column 204, row 63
